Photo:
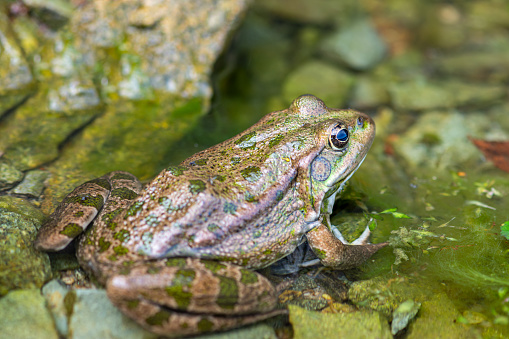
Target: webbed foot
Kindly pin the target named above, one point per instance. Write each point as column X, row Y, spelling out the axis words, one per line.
column 334, row 251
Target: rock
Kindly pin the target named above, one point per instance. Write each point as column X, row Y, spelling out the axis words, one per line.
column 93, row 316
column 54, row 13
column 368, row 93
column 56, row 295
column 437, row 319
column 438, row 140
column 356, row 44
column 317, row 11
column 424, row 95
column 479, row 66
column 361, row 324
column 32, row 184
column 256, row 331
column 405, row 312
column 375, row 294
column 64, row 104
column 9, row 175
column 325, row 81
column 23, row 315
column 16, row 80
column 21, row 266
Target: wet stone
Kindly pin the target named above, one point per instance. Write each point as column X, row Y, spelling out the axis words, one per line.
column 21, row 266
column 9, row 175
column 424, row 95
column 94, row 316
column 65, row 105
column 326, row 81
column 361, row 324
column 249, row 332
column 357, row 45
column 16, row 79
column 54, row 13
column 23, row 314
column 32, row 184
column 56, row 295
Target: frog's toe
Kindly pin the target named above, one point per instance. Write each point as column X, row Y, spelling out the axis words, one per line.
column 363, row 239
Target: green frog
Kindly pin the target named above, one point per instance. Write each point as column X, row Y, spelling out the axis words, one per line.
column 179, row 256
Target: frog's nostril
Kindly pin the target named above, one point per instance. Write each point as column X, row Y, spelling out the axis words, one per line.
column 360, row 121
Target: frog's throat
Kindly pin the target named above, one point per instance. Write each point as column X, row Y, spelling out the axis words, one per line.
column 331, row 196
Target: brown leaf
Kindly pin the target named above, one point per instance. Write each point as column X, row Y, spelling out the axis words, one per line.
column 496, row 151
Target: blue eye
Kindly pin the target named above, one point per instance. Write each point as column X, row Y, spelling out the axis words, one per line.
column 338, row 138
column 342, row 135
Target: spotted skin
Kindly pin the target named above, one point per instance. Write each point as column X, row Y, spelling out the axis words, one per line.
column 176, row 256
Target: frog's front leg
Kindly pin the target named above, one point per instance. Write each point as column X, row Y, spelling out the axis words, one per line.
column 336, row 253
column 189, row 296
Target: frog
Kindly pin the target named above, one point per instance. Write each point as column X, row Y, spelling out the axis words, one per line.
column 180, row 256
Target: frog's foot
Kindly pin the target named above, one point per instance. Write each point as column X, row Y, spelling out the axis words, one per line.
column 363, row 239
column 80, row 207
column 187, row 296
column 335, row 252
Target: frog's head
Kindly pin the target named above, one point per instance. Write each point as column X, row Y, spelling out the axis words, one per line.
column 344, row 137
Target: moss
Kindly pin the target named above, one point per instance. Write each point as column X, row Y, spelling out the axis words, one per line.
column 69, row 301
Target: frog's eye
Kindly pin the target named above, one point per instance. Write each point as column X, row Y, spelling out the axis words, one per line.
column 338, row 138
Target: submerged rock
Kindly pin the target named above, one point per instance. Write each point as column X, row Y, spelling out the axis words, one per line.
column 33, row 183
column 9, row 175
column 424, row 95
column 21, row 266
column 361, row 324
column 405, row 312
column 93, row 316
column 16, row 79
column 322, row 79
column 23, row 315
column 356, row 44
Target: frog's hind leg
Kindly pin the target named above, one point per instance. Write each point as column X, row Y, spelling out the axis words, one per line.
column 79, row 208
column 188, row 296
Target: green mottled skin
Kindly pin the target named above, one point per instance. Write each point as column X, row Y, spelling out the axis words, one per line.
column 248, row 202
